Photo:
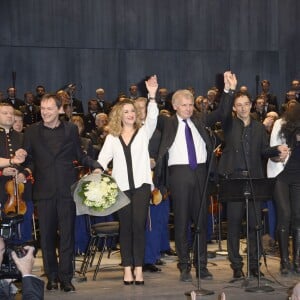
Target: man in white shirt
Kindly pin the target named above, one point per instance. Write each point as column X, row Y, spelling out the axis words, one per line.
column 184, row 173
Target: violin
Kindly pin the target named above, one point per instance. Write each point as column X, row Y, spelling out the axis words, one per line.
column 14, row 204
column 214, row 205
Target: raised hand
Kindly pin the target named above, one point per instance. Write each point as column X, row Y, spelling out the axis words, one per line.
column 152, row 86
column 230, row 81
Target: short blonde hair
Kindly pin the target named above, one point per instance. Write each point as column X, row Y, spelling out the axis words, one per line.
column 182, row 94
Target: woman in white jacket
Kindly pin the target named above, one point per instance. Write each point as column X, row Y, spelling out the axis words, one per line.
column 127, row 146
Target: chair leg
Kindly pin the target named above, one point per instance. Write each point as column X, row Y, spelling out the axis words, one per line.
column 100, row 258
column 90, row 252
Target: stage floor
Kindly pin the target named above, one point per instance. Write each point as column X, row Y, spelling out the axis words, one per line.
column 166, row 284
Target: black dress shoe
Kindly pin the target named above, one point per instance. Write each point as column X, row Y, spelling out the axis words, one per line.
column 67, row 287
column 159, row 262
column 151, row 268
column 139, row 282
column 170, row 252
column 254, row 273
column 185, row 275
column 52, row 285
column 237, row 273
column 128, row 282
column 205, row 274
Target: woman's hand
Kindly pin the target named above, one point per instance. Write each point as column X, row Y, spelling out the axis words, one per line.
column 152, row 86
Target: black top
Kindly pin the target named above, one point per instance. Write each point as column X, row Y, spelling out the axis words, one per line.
column 291, row 172
column 53, row 137
column 242, row 156
column 127, row 153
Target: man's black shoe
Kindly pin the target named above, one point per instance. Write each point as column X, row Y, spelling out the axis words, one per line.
column 67, row 287
column 237, row 273
column 211, row 254
column 52, row 285
column 254, row 273
column 159, row 262
column 151, row 268
column 185, row 275
column 170, row 252
column 204, row 274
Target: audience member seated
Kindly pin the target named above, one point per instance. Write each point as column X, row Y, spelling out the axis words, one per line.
column 12, row 98
column 31, row 112
column 270, row 98
column 75, row 103
column 133, row 92
column 40, row 91
column 97, row 136
column 103, row 105
column 89, row 118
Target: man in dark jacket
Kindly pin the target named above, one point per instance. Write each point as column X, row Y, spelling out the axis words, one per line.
column 52, row 147
column 246, row 143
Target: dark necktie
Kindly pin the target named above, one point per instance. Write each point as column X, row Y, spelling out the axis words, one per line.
column 190, row 146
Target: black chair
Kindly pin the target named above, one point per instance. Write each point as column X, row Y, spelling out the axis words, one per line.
column 99, row 231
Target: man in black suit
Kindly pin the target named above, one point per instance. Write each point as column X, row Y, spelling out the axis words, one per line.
column 90, row 117
column 186, row 178
column 52, row 147
column 32, row 287
column 270, row 98
column 103, row 105
column 31, row 112
column 246, row 144
column 12, row 99
column 261, row 108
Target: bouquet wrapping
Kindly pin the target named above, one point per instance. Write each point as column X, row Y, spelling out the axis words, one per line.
column 98, row 195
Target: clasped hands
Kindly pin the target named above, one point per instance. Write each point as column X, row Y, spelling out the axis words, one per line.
column 230, row 81
column 284, row 152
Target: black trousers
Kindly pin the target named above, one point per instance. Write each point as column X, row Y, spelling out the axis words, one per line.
column 57, row 215
column 132, row 226
column 235, row 214
column 186, row 186
column 287, row 199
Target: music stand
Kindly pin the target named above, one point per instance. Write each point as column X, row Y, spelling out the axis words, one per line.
column 220, row 251
column 245, row 189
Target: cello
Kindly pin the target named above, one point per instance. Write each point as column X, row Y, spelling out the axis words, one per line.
column 14, row 203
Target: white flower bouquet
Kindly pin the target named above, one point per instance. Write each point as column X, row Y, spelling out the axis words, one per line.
column 98, row 195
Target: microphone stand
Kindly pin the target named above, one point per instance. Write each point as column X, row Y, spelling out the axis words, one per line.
column 200, row 291
column 258, row 288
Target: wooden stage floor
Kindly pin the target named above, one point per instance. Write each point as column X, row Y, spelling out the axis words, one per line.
column 166, row 284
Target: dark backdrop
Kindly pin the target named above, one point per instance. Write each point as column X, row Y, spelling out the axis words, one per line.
column 113, row 43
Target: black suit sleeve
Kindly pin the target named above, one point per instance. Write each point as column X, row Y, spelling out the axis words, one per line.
column 32, row 288
column 223, row 112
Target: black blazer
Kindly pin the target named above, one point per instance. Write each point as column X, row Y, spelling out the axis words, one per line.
column 17, row 104
column 259, row 148
column 32, row 289
column 54, row 174
column 201, row 122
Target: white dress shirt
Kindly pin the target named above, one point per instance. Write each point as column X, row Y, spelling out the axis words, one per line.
column 178, row 154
